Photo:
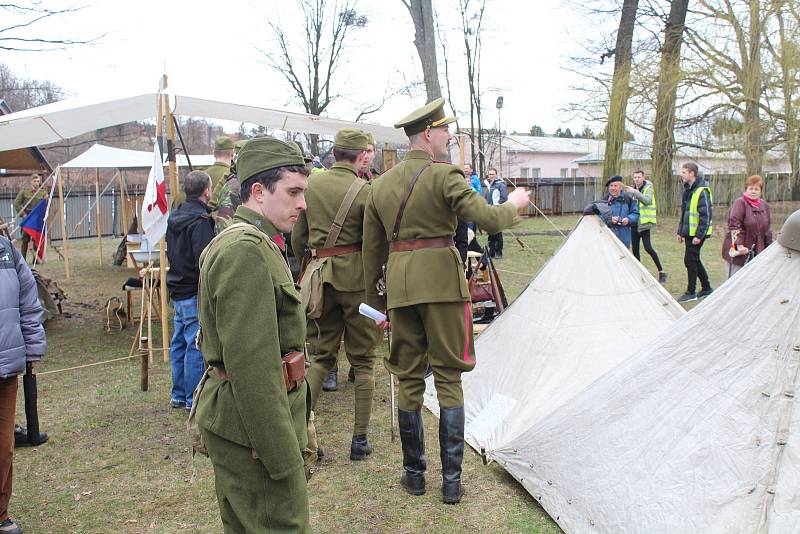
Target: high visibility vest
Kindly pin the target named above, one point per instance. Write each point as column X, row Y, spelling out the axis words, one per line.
column 647, row 214
column 694, row 217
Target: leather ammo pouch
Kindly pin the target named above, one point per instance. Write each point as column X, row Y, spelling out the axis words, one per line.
column 294, row 369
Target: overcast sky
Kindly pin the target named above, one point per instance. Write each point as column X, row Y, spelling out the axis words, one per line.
column 214, row 53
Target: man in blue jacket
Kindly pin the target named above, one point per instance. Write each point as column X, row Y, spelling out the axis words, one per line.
column 496, row 193
column 623, row 211
column 189, row 230
column 22, row 341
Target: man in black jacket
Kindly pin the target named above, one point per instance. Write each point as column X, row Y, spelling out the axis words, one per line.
column 189, row 230
column 694, row 227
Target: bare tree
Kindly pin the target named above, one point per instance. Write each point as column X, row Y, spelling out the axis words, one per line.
column 21, row 93
column 310, row 68
column 20, row 36
column 620, row 88
column 664, row 125
column 421, row 12
column 471, row 27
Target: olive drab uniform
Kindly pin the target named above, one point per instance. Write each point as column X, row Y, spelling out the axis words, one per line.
column 24, row 202
column 218, row 172
column 226, row 198
column 250, row 315
column 343, row 279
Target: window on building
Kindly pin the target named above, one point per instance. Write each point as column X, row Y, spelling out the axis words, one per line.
column 564, row 173
column 523, row 172
column 536, row 173
column 574, row 173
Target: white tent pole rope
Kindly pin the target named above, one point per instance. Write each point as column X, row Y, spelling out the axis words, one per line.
column 14, row 229
column 92, row 206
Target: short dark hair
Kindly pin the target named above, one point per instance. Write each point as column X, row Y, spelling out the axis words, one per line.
column 639, row 171
column 195, row 183
column 346, row 154
column 269, row 179
column 492, row 169
column 691, row 167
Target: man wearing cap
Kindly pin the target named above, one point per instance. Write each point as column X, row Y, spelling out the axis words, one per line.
column 622, row 213
column 226, row 195
column 366, row 170
column 343, row 279
column 24, row 202
column 252, row 416
column 410, row 221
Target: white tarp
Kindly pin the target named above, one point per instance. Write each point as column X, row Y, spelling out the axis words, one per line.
column 590, row 307
column 107, row 157
column 697, row 432
column 69, row 118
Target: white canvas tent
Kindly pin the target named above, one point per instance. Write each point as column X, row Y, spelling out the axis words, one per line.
column 107, row 157
column 590, row 307
column 68, row 118
column 695, row 432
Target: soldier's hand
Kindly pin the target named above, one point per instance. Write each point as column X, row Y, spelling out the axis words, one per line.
column 520, row 197
column 385, row 325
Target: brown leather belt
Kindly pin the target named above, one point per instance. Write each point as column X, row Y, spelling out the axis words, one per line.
column 404, row 245
column 293, row 370
column 335, row 251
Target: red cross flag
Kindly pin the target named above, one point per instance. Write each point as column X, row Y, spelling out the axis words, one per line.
column 154, row 207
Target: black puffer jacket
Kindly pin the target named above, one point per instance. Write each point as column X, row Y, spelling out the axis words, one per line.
column 189, row 230
column 703, row 210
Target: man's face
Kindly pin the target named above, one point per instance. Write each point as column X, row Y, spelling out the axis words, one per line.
column 369, row 157
column 36, row 182
column 440, row 141
column 687, row 176
column 615, row 188
column 282, row 208
column 638, row 179
column 492, row 175
column 468, row 170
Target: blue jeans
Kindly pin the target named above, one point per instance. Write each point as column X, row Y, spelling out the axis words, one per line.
column 187, row 362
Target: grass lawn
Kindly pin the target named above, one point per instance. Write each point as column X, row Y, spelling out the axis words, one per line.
column 118, row 458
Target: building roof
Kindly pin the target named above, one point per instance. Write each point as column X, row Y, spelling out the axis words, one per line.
column 557, row 145
column 638, row 152
column 21, row 160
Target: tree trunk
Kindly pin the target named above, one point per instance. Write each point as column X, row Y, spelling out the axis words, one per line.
column 663, row 128
column 620, row 89
column 751, row 84
column 421, row 12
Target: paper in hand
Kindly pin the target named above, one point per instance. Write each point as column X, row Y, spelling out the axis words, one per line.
column 372, row 313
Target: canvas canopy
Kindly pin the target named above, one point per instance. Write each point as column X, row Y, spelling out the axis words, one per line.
column 69, row 118
column 106, row 157
column 695, row 432
column 590, row 307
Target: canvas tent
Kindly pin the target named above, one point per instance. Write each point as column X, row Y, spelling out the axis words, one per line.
column 107, row 157
column 590, row 307
column 695, row 432
column 68, row 118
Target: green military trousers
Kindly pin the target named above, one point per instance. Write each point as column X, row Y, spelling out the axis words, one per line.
column 340, row 317
column 439, row 334
column 249, row 500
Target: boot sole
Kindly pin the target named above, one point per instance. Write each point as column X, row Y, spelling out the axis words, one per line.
column 414, row 492
column 453, row 500
column 359, row 457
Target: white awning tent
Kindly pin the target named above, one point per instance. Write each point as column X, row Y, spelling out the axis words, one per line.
column 69, row 118
column 107, row 157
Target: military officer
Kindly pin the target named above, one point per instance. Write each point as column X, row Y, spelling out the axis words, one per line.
column 343, row 280
column 24, row 202
column 251, row 417
column 409, row 224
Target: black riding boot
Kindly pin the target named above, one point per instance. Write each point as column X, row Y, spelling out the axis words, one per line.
column 451, row 443
column 413, row 440
column 331, row 382
column 360, row 448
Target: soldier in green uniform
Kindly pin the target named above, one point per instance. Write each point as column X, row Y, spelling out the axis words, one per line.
column 343, row 280
column 251, row 418
column 24, row 202
column 227, row 194
column 427, row 296
column 367, row 171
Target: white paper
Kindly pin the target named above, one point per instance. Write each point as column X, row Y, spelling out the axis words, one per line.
column 372, row 313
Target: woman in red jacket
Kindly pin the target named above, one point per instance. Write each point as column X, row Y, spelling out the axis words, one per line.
column 748, row 226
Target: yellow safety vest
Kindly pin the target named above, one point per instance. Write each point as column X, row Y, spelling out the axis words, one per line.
column 647, row 214
column 694, row 217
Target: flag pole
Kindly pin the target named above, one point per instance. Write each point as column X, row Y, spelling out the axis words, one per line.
column 97, row 209
column 63, row 217
column 162, row 256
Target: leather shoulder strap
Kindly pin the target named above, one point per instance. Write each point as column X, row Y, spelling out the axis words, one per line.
column 338, row 221
column 396, row 229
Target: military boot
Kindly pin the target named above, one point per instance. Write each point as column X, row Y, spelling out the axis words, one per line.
column 360, row 448
column 413, row 441
column 451, row 443
column 331, row 383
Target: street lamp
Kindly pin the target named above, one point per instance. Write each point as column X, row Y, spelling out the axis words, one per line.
column 499, row 106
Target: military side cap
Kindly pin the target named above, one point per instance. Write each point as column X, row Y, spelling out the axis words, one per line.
column 266, row 153
column 370, row 139
column 223, row 143
column 613, row 179
column 306, row 157
column 350, row 138
column 240, row 143
column 35, row 176
column 428, row 116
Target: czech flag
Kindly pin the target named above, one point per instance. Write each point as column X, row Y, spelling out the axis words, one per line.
column 33, row 225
